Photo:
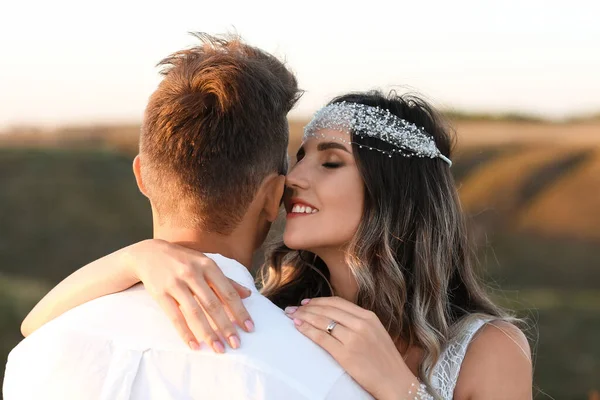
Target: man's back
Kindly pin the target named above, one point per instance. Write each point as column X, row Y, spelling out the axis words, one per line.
column 122, row 346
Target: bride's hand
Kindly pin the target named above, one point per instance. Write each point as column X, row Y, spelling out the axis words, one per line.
column 190, row 287
column 358, row 342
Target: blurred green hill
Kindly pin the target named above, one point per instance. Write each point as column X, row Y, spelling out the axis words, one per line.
column 531, row 189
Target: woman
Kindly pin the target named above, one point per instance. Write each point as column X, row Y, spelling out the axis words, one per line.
column 373, row 217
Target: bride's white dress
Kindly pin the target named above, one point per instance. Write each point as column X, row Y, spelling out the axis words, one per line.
column 445, row 372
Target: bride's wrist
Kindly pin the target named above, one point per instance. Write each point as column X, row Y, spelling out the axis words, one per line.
column 403, row 385
column 403, row 390
column 411, row 389
column 401, row 382
column 130, row 258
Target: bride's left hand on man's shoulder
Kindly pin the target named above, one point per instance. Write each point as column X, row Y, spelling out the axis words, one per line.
column 357, row 340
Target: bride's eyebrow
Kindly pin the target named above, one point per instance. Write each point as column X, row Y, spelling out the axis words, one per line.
column 331, row 145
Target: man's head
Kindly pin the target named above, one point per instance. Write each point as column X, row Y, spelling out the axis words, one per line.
column 214, row 131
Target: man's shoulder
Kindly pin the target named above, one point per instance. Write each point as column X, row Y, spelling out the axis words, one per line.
column 279, row 348
column 56, row 360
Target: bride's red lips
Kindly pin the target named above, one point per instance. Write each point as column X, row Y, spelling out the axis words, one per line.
column 296, row 201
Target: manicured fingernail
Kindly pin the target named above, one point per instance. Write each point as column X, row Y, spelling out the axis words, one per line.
column 234, row 342
column 219, row 348
column 297, row 322
column 194, row 345
column 304, row 302
column 290, row 310
column 249, row 325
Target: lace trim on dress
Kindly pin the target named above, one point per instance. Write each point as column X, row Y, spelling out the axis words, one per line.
column 446, row 370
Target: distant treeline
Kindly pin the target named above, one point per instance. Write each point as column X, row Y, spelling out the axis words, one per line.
column 458, row 115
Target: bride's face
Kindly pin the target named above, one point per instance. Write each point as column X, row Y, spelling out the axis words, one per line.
column 325, row 195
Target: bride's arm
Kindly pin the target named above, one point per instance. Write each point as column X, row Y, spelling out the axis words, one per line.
column 177, row 277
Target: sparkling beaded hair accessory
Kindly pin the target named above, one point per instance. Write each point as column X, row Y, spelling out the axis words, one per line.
column 408, row 139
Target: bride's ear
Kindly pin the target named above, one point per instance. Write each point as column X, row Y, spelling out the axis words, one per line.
column 275, row 186
column 137, row 171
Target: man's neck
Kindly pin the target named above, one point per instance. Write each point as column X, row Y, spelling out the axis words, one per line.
column 230, row 246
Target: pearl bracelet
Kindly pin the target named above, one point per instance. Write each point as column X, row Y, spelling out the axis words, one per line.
column 419, row 393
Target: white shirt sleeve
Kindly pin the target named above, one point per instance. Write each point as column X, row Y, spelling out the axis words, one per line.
column 54, row 367
column 346, row 388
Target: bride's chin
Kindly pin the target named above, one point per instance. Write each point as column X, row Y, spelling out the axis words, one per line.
column 293, row 243
column 290, row 244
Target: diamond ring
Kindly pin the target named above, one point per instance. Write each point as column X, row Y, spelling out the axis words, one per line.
column 330, row 327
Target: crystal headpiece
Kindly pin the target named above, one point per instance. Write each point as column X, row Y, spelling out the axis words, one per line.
column 408, row 139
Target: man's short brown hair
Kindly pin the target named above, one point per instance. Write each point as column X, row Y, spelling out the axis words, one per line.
column 214, row 128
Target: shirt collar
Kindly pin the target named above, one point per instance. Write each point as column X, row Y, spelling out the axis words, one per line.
column 234, row 270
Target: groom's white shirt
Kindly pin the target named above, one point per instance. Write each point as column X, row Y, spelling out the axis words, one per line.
column 122, row 346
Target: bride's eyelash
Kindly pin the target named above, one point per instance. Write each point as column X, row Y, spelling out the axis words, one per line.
column 332, row 165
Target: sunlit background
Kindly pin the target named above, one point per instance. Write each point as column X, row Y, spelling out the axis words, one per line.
column 520, row 81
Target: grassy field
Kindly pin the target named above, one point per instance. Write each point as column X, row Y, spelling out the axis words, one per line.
column 531, row 189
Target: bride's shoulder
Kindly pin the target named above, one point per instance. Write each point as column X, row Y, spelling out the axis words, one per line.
column 497, row 362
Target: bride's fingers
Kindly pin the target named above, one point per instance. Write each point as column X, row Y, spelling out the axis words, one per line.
column 215, row 309
column 243, row 291
column 196, row 319
column 323, row 339
column 338, row 302
column 172, row 310
column 228, row 292
column 350, row 321
column 320, row 321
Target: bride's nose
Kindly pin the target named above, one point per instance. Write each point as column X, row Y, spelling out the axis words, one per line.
column 296, row 178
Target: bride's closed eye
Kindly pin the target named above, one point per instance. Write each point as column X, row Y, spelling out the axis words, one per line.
column 332, row 165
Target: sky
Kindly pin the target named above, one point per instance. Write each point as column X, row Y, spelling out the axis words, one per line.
column 80, row 62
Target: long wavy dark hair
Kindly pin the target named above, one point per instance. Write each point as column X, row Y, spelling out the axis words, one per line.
column 411, row 255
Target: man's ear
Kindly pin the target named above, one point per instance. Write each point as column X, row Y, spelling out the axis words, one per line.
column 273, row 196
column 137, row 171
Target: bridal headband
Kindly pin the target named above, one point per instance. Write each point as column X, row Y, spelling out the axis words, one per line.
column 408, row 139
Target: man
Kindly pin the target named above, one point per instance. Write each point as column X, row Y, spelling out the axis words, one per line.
column 213, row 154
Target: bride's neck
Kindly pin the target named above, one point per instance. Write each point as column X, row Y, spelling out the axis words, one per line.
column 341, row 278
